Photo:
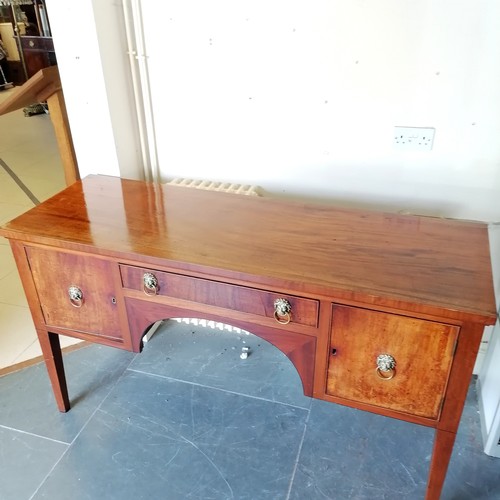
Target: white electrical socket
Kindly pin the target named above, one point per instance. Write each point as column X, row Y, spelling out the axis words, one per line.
column 414, row 138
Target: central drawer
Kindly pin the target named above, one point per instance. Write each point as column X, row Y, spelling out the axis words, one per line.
column 214, row 293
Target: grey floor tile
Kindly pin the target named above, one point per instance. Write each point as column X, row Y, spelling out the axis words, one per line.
column 212, row 358
column 25, row 460
column 154, row 436
column 159, row 438
column 357, row 455
column 27, row 402
column 472, row 474
column 349, row 454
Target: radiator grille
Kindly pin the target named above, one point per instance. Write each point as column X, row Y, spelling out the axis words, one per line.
column 214, row 325
column 204, row 323
column 226, row 187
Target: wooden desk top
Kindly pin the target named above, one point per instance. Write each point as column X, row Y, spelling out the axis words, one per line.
column 428, row 265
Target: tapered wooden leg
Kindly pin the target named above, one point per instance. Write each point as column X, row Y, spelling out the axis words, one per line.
column 52, row 354
column 62, row 131
column 441, row 454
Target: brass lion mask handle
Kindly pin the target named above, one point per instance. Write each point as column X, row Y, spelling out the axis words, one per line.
column 150, row 282
column 282, row 311
column 75, row 296
column 386, row 366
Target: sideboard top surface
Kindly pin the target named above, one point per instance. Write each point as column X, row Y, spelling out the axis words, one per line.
column 376, row 257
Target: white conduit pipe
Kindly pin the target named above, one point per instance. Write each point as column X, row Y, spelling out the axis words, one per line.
column 140, row 81
column 137, row 91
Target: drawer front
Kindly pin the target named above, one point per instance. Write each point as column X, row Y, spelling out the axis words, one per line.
column 421, row 350
column 213, row 293
column 55, row 272
column 37, row 43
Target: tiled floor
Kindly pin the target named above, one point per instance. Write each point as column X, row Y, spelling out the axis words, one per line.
column 28, row 150
column 187, row 418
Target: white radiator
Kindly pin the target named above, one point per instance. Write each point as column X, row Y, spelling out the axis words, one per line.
column 214, row 325
column 226, row 187
column 204, row 323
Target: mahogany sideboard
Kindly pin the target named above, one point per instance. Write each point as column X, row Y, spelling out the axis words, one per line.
column 377, row 311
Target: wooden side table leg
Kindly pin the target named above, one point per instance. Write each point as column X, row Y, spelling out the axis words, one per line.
column 441, row 454
column 59, row 117
column 52, row 354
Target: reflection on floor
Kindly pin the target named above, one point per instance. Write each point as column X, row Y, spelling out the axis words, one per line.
column 188, row 418
column 30, row 171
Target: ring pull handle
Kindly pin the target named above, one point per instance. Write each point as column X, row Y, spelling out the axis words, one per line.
column 282, row 311
column 75, row 296
column 386, row 366
column 150, row 284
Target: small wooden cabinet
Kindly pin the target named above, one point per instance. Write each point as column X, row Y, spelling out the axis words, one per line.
column 378, row 311
column 75, row 292
column 421, row 351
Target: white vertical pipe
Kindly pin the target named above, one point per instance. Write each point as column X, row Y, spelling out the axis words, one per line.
column 136, row 84
column 147, row 106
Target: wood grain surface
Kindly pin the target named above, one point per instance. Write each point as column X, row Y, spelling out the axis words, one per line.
column 423, row 352
column 361, row 283
column 373, row 257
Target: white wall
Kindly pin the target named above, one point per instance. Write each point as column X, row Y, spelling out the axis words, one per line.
column 301, row 98
column 89, row 40
column 489, row 373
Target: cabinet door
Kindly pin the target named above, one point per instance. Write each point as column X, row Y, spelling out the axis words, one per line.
column 421, row 350
column 55, row 272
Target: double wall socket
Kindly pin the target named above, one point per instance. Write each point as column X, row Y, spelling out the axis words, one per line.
column 414, row 138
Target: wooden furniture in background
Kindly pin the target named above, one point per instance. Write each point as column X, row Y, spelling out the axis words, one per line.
column 377, row 311
column 46, row 86
column 38, row 53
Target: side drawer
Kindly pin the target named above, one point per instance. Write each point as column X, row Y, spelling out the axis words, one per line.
column 217, row 294
column 55, row 272
column 421, row 350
